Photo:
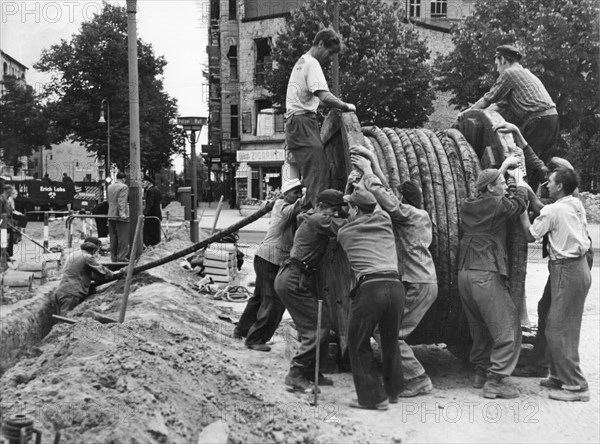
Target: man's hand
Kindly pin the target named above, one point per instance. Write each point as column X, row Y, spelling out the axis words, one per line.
column 362, row 151
column 350, row 108
column 509, row 163
column 120, row 274
column 505, row 127
column 361, row 163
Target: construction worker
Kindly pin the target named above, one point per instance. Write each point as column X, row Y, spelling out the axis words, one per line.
column 529, row 104
column 296, row 287
column 264, row 310
column 79, row 270
column 118, row 218
column 377, row 300
column 306, row 88
column 568, row 243
column 413, row 229
column 482, row 280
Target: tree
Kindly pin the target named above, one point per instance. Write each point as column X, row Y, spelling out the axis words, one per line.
column 23, row 123
column 560, row 42
column 383, row 67
column 93, row 66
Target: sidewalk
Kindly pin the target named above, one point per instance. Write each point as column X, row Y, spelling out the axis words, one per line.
column 206, row 218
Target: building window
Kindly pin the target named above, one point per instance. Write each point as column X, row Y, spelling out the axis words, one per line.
column 247, row 122
column 439, row 8
column 233, row 62
column 215, row 10
column 235, row 118
column 232, row 10
column 263, row 59
column 415, row 8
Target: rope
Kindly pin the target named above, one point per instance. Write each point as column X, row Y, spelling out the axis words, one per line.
column 233, row 293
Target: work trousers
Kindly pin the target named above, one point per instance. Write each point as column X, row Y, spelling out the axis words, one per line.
column 303, row 138
column 418, row 299
column 570, row 281
column 151, row 231
column 493, row 321
column 64, row 303
column 541, row 133
column 297, row 290
column 119, row 240
column 376, row 302
column 271, row 309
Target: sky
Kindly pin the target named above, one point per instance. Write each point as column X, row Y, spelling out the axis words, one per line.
column 177, row 29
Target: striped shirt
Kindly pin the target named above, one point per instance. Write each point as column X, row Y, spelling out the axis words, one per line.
column 522, row 90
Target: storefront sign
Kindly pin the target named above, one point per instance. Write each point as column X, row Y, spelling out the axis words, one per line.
column 261, row 155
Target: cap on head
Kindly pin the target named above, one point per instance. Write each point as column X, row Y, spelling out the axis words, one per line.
column 331, row 197
column 362, row 199
column 487, row 177
column 508, row 51
column 89, row 247
column 559, row 162
column 412, row 193
column 121, row 176
column 93, row 240
column 290, row 185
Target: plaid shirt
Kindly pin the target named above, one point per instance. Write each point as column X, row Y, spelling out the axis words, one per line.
column 522, row 90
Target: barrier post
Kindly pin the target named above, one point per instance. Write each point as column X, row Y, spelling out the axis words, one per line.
column 46, row 232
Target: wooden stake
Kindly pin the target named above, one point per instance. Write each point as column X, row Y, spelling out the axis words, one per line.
column 318, row 363
column 130, row 267
column 217, row 215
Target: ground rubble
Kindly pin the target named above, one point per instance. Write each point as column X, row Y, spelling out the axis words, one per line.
column 162, row 376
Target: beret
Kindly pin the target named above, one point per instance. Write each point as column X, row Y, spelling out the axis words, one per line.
column 331, row 197
column 487, row 177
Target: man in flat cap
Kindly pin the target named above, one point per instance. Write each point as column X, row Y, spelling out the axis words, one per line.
column 296, row 287
column 482, row 280
column 152, row 212
column 264, row 310
column 413, row 229
column 81, row 267
column 377, row 300
column 528, row 102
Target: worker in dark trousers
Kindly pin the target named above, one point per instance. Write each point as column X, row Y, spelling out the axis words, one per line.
column 482, row 280
column 413, row 229
column 263, row 312
column 79, row 270
column 296, row 287
column 377, row 300
column 152, row 212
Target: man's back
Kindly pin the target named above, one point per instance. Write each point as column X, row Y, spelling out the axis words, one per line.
column 117, row 194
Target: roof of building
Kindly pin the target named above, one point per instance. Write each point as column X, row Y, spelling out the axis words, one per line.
column 12, row 59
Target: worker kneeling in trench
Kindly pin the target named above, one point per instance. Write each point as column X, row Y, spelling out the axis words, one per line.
column 80, row 268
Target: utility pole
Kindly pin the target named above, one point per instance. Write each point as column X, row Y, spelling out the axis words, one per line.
column 135, row 179
column 335, row 69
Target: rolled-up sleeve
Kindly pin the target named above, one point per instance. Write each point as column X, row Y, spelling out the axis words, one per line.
column 542, row 224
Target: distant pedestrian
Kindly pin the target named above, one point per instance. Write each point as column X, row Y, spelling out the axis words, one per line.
column 307, row 87
column 527, row 100
column 118, row 218
column 66, row 178
column 152, row 212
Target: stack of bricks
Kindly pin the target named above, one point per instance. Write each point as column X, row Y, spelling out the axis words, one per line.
column 220, row 263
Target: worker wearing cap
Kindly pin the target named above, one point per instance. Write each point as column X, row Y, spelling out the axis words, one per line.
column 296, row 287
column 77, row 274
column 264, row 310
column 482, row 280
column 565, row 223
column 413, row 229
column 377, row 300
column 307, row 87
column 527, row 99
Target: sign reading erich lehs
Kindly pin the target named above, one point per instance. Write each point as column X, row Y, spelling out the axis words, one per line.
column 261, row 155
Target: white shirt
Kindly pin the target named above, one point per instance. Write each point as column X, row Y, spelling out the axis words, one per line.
column 306, row 78
column 566, row 225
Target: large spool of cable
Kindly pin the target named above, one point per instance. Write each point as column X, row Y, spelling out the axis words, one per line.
column 446, row 166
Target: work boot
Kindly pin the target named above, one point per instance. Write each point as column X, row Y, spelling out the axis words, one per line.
column 551, row 382
column 479, row 378
column 531, row 371
column 499, row 387
column 416, row 386
column 570, row 395
column 323, row 380
column 297, row 382
column 383, row 405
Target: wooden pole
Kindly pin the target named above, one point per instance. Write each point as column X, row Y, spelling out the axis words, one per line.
column 135, row 179
column 3, row 241
column 217, row 215
column 134, row 254
column 335, row 69
column 318, row 360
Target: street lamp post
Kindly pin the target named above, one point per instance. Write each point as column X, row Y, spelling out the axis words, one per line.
column 107, row 121
column 193, row 124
